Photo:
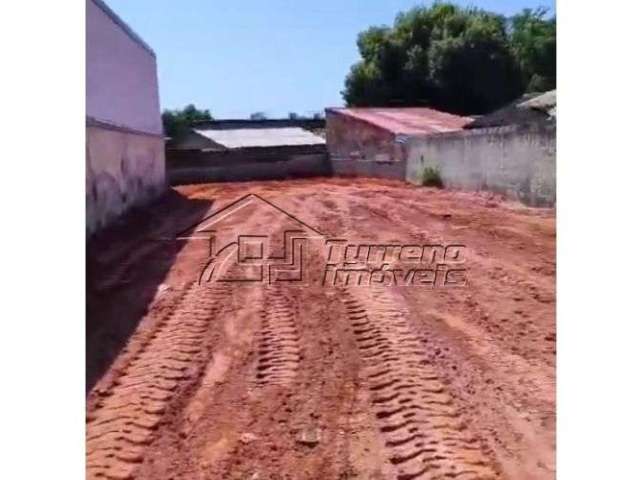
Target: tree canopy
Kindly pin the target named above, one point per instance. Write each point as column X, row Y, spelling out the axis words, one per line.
column 533, row 41
column 176, row 123
column 461, row 60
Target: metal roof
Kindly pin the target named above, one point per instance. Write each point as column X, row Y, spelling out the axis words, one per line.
column 261, row 137
column 407, row 121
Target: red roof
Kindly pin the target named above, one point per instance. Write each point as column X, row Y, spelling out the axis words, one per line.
column 407, row 121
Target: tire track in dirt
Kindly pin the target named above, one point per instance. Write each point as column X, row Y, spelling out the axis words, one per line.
column 279, row 345
column 528, row 292
column 123, row 423
column 161, row 309
column 124, row 269
column 424, row 433
column 411, row 384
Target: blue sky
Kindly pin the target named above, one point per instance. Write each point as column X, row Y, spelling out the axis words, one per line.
column 276, row 56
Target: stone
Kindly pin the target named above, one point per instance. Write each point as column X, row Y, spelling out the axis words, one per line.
column 309, row 436
column 248, row 438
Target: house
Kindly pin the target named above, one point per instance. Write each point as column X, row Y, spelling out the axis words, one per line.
column 228, row 150
column 125, row 162
column 370, row 141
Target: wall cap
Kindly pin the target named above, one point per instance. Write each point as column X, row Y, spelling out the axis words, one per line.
column 94, row 122
column 123, row 26
column 499, row 130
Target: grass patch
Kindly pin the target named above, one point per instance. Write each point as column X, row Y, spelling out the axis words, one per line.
column 431, row 177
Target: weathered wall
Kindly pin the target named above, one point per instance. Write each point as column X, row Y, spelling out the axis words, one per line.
column 517, row 161
column 193, row 141
column 193, row 166
column 123, row 169
column 359, row 148
column 368, row 168
column 124, row 142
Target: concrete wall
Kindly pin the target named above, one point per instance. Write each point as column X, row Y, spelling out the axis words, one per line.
column 359, row 148
column 184, row 166
column 312, row 124
column 517, row 161
column 123, row 169
column 193, row 141
column 121, row 78
column 125, row 163
column 368, row 168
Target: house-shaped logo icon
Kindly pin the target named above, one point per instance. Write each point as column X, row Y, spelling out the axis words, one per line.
column 256, row 256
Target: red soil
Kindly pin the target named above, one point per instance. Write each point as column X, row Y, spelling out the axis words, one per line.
column 283, row 381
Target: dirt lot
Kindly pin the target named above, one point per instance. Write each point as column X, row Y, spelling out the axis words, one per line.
column 192, row 379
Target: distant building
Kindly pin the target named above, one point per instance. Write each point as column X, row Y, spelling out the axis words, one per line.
column 125, row 163
column 510, row 151
column 225, row 150
column 231, row 134
column 370, row 141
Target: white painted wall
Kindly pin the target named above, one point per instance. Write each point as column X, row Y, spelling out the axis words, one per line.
column 121, row 75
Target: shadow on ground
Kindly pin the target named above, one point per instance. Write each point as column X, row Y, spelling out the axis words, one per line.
column 125, row 265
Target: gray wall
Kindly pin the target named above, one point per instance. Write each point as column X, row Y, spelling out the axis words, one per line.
column 193, row 166
column 368, row 168
column 517, row 161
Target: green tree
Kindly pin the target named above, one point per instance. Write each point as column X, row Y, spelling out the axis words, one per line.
column 177, row 122
column 455, row 59
column 533, row 40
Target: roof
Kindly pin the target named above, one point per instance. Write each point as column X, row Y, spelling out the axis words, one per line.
column 236, row 123
column 530, row 108
column 123, row 25
column 406, row 121
column 545, row 103
column 261, row 137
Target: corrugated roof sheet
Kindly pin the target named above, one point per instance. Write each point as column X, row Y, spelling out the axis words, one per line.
column 407, row 121
column 261, row 137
